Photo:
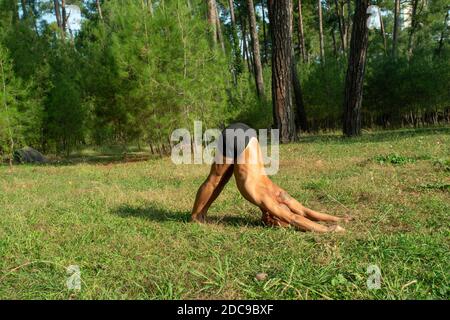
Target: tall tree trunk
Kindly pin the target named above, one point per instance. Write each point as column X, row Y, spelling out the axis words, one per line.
column 63, row 16
column 244, row 44
column 24, row 9
column 150, row 6
column 15, row 12
column 355, row 72
column 99, row 8
column 212, row 17
column 31, row 12
column 237, row 59
column 256, row 53
column 301, row 122
column 396, row 27
column 301, row 35
column 412, row 30
column 341, row 23
column 5, row 106
column 322, row 50
column 299, row 113
column 280, row 17
column 333, row 37
column 264, row 32
column 344, row 24
column 219, row 31
column 349, row 20
column 214, row 23
column 57, row 13
column 233, row 17
column 250, row 54
column 443, row 33
column 383, row 32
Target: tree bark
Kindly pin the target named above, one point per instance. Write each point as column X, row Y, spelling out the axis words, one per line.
column 233, row 17
column 5, row 105
column 349, row 20
column 355, row 72
column 264, row 32
column 341, row 23
column 15, row 12
column 256, row 52
column 99, row 8
column 444, row 31
column 150, row 6
column 396, row 27
column 299, row 113
column 280, row 17
column 24, row 9
column 301, row 122
column 57, row 13
column 301, row 35
column 244, row 44
column 383, row 32
column 250, row 54
column 29, row 7
column 322, row 50
column 344, row 24
column 219, row 32
column 412, row 30
column 214, row 23
column 237, row 59
column 63, row 16
column 333, row 37
column 212, row 12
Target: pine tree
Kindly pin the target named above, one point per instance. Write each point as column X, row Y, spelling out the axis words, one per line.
column 281, row 30
column 355, row 72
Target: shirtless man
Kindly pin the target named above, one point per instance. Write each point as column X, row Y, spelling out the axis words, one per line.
column 244, row 159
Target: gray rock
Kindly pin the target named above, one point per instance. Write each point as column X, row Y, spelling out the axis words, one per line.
column 29, row 155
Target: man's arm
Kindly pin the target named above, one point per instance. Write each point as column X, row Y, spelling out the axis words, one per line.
column 218, row 177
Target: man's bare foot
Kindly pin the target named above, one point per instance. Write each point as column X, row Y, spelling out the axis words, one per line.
column 198, row 218
column 336, row 228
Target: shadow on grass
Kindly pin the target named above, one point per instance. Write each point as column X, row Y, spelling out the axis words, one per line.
column 106, row 159
column 155, row 213
column 102, row 159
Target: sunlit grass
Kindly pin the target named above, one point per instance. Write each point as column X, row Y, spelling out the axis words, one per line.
column 126, row 225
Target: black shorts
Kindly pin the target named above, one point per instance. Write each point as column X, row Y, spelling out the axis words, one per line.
column 234, row 139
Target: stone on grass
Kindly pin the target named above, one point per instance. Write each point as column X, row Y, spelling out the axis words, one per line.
column 29, row 155
column 261, row 276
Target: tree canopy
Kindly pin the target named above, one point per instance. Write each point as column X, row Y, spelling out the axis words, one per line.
column 134, row 70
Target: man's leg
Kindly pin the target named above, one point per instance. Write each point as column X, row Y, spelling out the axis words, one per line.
column 299, row 209
column 284, row 214
column 218, row 177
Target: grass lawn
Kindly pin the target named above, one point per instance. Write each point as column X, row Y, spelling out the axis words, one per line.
column 126, row 225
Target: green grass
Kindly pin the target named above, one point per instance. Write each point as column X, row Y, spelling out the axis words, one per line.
column 125, row 224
